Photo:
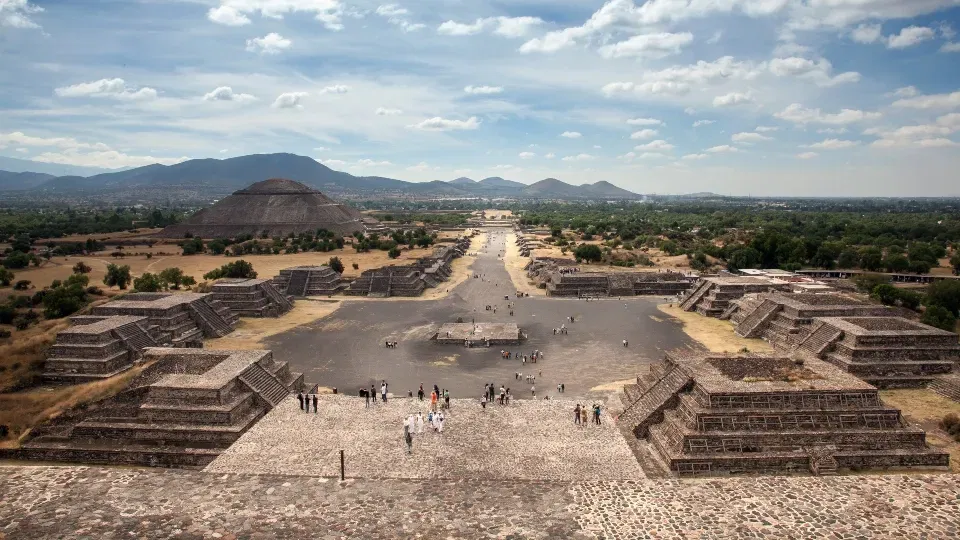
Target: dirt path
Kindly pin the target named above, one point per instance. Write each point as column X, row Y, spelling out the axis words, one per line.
column 251, row 332
column 514, row 263
column 715, row 335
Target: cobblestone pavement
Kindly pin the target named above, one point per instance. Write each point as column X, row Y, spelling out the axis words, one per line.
column 92, row 502
column 528, row 439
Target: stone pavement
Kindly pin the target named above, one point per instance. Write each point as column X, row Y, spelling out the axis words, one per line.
column 93, row 502
column 528, row 439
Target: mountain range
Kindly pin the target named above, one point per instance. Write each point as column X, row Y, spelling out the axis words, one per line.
column 227, row 175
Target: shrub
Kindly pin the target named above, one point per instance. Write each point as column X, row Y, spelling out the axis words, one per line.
column 867, row 282
column 174, row 278
column 6, row 276
column 939, row 317
column 95, row 291
column 236, row 269
column 82, row 268
column 148, row 283
column 17, row 259
column 21, row 285
column 118, row 276
column 63, row 301
column 356, row 266
column 5, row 334
column 394, row 252
column 7, row 314
column 945, row 293
column 588, row 252
column 887, row 294
column 335, row 264
column 192, row 246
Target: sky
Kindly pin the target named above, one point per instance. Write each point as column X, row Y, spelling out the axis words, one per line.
column 737, row 97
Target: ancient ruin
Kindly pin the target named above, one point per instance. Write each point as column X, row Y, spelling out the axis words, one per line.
column 182, row 410
column 785, row 319
column 276, row 207
column 889, row 352
column 480, row 334
column 719, row 414
column 183, row 319
column 251, row 297
column 411, row 279
column 712, row 295
column 563, row 277
column 309, row 281
column 98, row 348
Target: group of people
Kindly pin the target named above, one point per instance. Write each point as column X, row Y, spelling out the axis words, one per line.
column 490, row 393
column 437, row 396
column 580, row 414
column 414, row 424
column 305, row 399
column 371, row 394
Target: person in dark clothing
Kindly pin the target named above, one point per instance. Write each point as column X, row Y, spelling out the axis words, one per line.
column 306, row 403
column 366, row 397
column 373, row 393
column 300, row 399
column 314, row 404
column 420, row 392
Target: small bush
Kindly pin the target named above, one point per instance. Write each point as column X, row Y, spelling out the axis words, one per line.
column 21, row 285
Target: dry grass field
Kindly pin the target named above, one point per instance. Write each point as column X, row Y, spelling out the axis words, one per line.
column 926, row 408
column 715, row 335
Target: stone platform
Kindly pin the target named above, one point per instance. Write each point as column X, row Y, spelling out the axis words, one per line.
column 309, row 281
column 183, row 319
column 251, row 297
column 98, row 348
column 480, row 334
column 93, row 502
column 527, row 439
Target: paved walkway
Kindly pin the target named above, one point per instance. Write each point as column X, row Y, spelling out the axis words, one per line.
column 528, row 439
column 91, row 502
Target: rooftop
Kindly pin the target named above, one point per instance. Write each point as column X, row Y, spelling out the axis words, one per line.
column 754, row 374
column 882, row 326
column 154, row 300
column 104, row 325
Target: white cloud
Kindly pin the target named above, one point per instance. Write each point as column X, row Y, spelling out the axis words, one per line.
column 232, row 12
column 571, row 134
column 526, row 155
column 333, row 162
column 443, row 124
column 16, row 13
column 483, row 90
column 371, row 163
column 20, row 138
column 272, row 43
column 690, row 110
column 950, row 47
column 867, row 33
column 395, row 16
column 321, row 149
column 111, row 88
column 715, row 38
column 722, row 149
column 807, row 155
column 335, row 89
column 797, row 114
column 422, row 166
column 381, row 111
column 23, row 150
column 644, row 122
column 289, row 100
column 733, row 98
column 391, row 10
column 923, row 135
column 832, row 131
column 699, row 123
column 766, row 129
column 838, row 14
column 833, row 144
column 722, row 69
column 659, row 45
column 511, row 27
column 746, row 137
column 225, row 93
column 550, row 155
column 904, row 92
column 790, row 49
column 933, row 101
column 692, row 157
column 644, row 134
column 658, row 145
column 910, row 36
column 69, row 151
column 578, row 157
column 228, row 16
column 817, row 72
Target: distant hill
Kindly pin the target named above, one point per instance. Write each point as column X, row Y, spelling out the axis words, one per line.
column 228, row 175
column 10, row 164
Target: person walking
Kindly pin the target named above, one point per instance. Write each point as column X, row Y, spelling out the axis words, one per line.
column 583, row 416
column 533, row 390
column 440, row 423
column 306, row 403
column 483, row 400
column 446, row 399
column 300, row 399
column 314, row 404
column 420, row 392
column 383, row 391
column 373, row 394
column 420, row 422
column 366, row 397
column 408, row 437
column 596, row 413
column 576, row 414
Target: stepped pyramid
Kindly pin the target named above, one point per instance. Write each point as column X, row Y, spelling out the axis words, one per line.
column 277, row 206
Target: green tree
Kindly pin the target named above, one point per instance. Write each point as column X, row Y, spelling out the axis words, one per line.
column 871, row 259
column 945, row 293
column 939, row 317
column 235, row 269
column 174, row 277
column 588, row 252
column 848, row 259
column 149, row 283
column 867, row 282
column 887, row 294
column 909, row 299
column 66, row 299
column 394, row 252
column 955, row 262
column 16, row 259
column 192, row 246
column 6, row 277
column 22, row 285
column 335, row 265
column 217, row 247
column 896, row 263
column 82, row 268
column 117, row 276
column 744, row 257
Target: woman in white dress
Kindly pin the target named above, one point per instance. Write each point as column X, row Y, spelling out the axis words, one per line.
column 420, row 422
column 440, row 423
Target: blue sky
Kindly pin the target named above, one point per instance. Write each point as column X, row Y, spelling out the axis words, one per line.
column 760, row 97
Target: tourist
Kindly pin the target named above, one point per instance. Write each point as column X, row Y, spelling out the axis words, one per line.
column 483, row 400
column 563, row 388
column 314, row 404
column 420, row 392
column 558, row 388
column 383, row 391
column 373, row 393
column 503, row 394
column 446, row 399
column 420, row 422
column 583, row 416
column 533, row 390
column 624, row 343
column 300, row 399
column 440, row 423
column 433, row 400
column 366, row 397
column 596, row 413
column 576, row 414
column 408, row 437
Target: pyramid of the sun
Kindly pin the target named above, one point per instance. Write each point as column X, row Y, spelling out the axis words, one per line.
column 276, row 206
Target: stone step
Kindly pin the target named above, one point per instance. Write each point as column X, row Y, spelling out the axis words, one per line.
column 131, row 454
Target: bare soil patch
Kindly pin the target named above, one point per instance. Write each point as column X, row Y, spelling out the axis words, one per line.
column 251, row 332
column 515, row 262
column 715, row 335
column 926, row 408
